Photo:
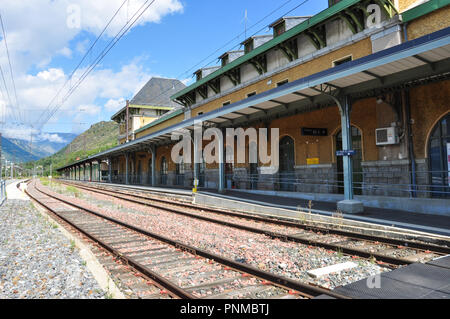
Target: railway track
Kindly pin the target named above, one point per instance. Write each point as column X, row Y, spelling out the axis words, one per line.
column 171, row 267
column 392, row 252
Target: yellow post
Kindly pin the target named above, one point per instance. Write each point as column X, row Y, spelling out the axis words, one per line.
column 194, row 190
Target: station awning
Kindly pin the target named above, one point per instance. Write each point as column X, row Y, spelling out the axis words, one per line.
column 421, row 59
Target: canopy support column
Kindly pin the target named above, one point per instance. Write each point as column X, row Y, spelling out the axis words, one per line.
column 127, row 182
column 221, row 162
column 109, row 170
column 153, row 151
column 349, row 204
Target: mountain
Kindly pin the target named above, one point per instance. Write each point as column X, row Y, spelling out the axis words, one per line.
column 99, row 137
column 16, row 153
column 46, row 144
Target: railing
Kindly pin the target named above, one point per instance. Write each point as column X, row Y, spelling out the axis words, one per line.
column 435, row 184
column 429, row 184
column 2, row 192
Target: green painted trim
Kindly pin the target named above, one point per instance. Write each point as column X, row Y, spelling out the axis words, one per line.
column 160, row 120
column 424, row 9
column 318, row 18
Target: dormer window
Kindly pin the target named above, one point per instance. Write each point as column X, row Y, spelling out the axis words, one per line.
column 333, row 2
column 249, row 46
column 284, row 24
column 279, row 29
column 230, row 56
column 198, row 75
column 225, row 60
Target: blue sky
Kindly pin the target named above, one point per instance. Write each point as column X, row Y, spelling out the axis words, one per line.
column 185, row 33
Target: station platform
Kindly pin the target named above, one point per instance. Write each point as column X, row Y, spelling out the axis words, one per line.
column 169, row 190
column 416, row 281
column 436, row 224
column 13, row 192
column 429, row 223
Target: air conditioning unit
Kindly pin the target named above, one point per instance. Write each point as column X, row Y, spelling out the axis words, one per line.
column 387, row 136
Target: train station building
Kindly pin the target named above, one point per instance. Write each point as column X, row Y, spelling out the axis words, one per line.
column 359, row 95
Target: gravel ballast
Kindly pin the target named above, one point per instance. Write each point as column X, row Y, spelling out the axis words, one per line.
column 37, row 261
column 287, row 259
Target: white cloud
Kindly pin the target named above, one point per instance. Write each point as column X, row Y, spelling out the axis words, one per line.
column 38, row 31
column 51, row 137
column 19, row 131
column 82, row 46
column 113, row 105
column 66, row 52
column 36, row 91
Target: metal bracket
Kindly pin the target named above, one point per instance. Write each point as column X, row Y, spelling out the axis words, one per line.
column 234, row 76
column 215, row 85
column 260, row 64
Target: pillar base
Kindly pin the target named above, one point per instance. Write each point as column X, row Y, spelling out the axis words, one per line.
column 350, row 206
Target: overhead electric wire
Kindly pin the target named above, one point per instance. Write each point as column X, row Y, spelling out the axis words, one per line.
column 120, row 34
column 236, row 37
column 7, row 91
column 296, row 7
column 105, row 51
column 84, row 57
column 10, row 68
column 238, row 45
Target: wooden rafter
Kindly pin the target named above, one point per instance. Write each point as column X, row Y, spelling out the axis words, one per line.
column 388, row 7
column 260, row 64
column 215, row 85
column 290, row 49
column 234, row 76
column 203, row 91
column 317, row 37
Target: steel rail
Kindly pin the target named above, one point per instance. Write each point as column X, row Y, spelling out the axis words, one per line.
column 175, row 290
column 305, row 289
column 340, row 248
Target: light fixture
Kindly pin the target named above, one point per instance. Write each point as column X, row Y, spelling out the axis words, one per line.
column 380, row 100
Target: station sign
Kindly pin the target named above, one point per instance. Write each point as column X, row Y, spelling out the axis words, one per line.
column 313, row 161
column 307, row 131
column 345, row 153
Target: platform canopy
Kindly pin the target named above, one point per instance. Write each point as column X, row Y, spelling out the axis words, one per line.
column 412, row 63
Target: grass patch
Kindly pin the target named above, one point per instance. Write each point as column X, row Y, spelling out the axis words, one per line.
column 74, row 191
column 44, row 181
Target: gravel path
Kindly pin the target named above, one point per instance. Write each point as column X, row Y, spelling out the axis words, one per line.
column 37, row 261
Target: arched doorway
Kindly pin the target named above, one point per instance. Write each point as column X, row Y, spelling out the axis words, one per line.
column 164, row 171
column 201, row 167
column 229, row 167
column 179, row 173
column 253, row 168
column 139, row 173
column 287, row 164
column 439, row 158
column 356, row 160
